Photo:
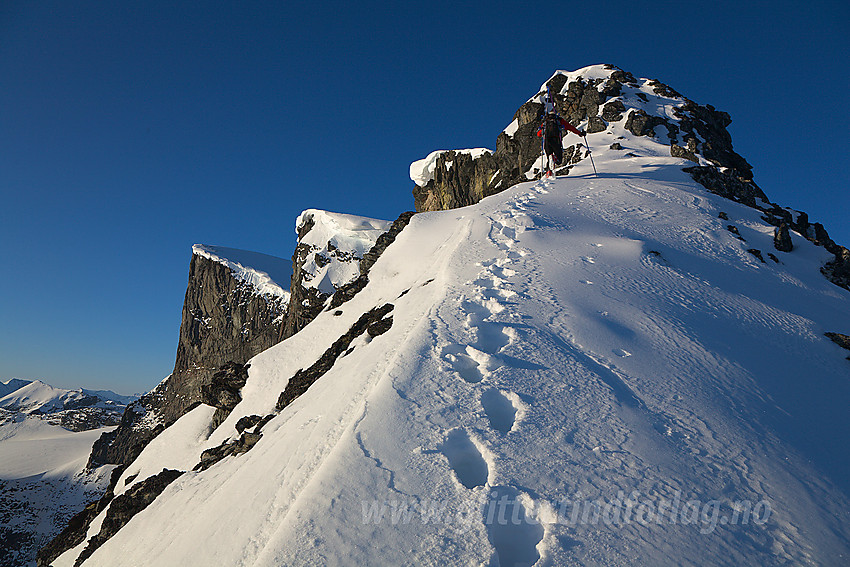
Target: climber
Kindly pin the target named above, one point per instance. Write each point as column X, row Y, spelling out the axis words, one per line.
column 552, row 130
column 554, row 127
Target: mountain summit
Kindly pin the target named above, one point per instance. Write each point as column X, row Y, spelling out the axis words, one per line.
column 642, row 366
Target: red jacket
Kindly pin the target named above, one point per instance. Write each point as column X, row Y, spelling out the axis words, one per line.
column 564, row 126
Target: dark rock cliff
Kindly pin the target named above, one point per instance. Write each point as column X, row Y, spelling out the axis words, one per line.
column 225, row 321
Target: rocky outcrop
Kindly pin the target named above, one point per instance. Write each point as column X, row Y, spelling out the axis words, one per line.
column 328, row 257
column 460, row 180
column 697, row 131
column 223, row 390
column 346, row 292
column 226, row 320
column 122, row 509
column 836, row 270
column 724, row 183
column 139, row 424
column 305, row 302
column 242, row 445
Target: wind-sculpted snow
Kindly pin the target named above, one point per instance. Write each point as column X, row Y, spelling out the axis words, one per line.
column 584, row 370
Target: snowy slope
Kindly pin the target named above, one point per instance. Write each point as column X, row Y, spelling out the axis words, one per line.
column 43, row 482
column 10, row 386
column 585, row 370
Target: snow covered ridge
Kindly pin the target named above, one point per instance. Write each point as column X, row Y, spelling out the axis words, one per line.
column 269, row 275
column 614, row 108
column 630, row 122
column 332, row 245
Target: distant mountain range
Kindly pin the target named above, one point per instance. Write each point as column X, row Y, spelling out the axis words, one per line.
column 76, row 410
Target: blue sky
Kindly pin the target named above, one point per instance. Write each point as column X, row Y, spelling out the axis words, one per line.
column 130, row 131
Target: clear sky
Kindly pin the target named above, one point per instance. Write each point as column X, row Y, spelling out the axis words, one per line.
column 131, row 130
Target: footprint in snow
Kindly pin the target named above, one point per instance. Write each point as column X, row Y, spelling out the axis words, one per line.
column 471, row 364
column 622, row 353
column 513, row 534
column 465, row 459
column 499, row 409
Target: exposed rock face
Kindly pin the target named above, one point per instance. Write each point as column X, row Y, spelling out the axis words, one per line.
column 222, row 392
column 138, row 426
column 460, row 179
column 226, row 320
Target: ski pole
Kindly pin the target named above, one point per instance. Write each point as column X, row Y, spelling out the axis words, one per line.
column 586, row 145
